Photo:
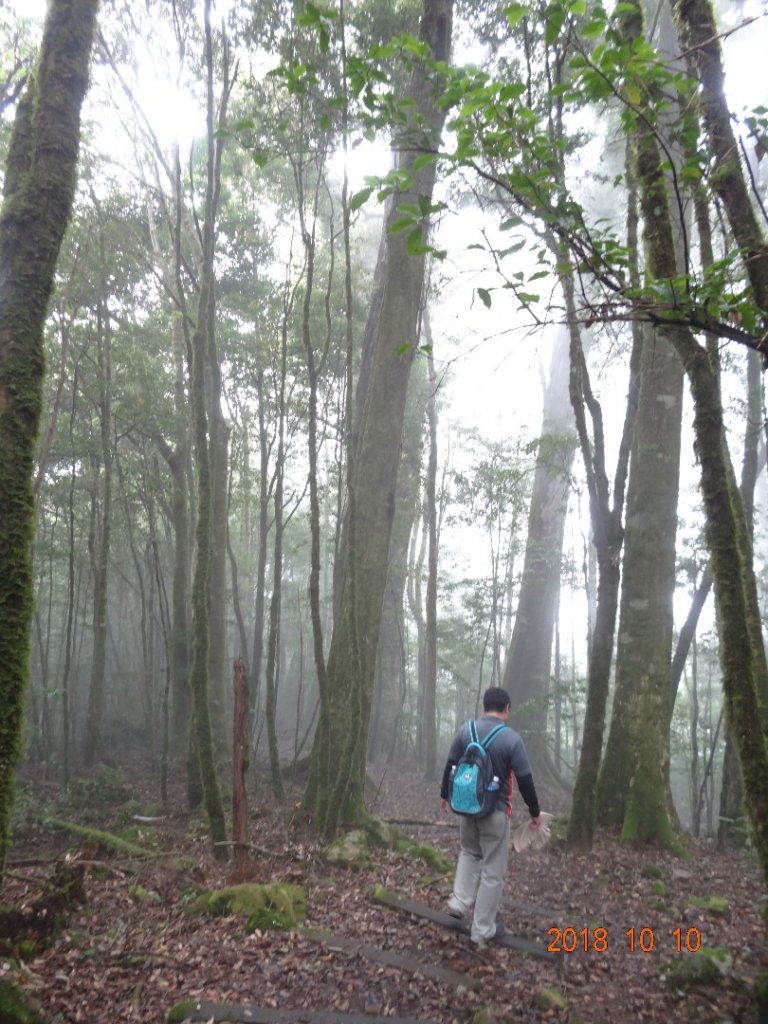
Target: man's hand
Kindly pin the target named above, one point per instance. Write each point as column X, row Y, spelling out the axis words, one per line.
column 535, row 822
column 444, row 805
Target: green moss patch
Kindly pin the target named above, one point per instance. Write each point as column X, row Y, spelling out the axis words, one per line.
column 351, row 850
column 549, row 998
column 705, row 967
column 434, row 859
column 652, row 871
column 14, row 1008
column 266, row 907
column 181, row 1011
column 714, row 905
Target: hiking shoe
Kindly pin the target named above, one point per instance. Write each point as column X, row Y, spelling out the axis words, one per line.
column 456, row 912
column 499, row 932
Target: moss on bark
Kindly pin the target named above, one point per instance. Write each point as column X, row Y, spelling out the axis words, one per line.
column 40, row 178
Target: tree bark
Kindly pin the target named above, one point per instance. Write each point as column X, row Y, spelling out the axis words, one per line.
column 202, row 343
column 700, row 39
column 93, row 747
column 40, row 179
column 606, row 505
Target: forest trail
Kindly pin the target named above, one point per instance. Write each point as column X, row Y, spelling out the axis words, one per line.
column 132, row 952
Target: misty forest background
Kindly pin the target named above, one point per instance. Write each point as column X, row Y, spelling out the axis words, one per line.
column 393, row 369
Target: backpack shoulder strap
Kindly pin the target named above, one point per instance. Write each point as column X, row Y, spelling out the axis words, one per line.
column 492, row 735
column 473, row 733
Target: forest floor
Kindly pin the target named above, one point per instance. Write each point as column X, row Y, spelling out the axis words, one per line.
column 131, row 951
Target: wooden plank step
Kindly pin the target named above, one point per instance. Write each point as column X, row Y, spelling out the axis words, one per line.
column 225, row 1013
column 392, row 959
column 408, row 906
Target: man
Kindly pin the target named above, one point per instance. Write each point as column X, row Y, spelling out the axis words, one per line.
column 482, row 862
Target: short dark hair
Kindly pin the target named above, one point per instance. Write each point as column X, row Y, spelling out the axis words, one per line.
column 496, row 699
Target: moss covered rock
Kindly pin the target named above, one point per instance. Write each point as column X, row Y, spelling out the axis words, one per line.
column 351, row 849
column 434, row 859
column 266, row 907
column 705, row 967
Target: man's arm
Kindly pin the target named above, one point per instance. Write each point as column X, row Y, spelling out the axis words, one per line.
column 528, row 793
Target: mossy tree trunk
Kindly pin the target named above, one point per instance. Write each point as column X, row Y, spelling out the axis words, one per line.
column 632, row 787
column 335, row 793
column 637, row 744
column 731, row 815
column 742, row 652
column 39, row 187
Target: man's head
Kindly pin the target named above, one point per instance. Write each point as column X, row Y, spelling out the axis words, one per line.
column 496, row 700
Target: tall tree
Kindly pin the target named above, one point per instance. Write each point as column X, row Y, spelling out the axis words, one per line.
column 528, row 664
column 204, row 369
column 335, row 792
column 40, row 179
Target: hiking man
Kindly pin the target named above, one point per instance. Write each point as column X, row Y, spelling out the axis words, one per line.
column 482, row 862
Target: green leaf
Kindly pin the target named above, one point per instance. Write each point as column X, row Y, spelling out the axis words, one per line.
column 485, row 297
column 515, row 14
column 555, row 21
column 400, row 225
column 527, row 297
column 414, row 244
column 360, row 198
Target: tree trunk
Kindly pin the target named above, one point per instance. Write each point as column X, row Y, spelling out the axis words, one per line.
column 742, row 657
column 93, row 747
column 335, row 793
column 390, row 656
column 240, row 767
column 632, row 787
column 699, row 38
column 261, row 565
column 429, row 705
column 528, row 663
column 606, row 506
column 40, row 179
column 202, row 343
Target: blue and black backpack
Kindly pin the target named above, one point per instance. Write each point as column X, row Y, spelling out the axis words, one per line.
column 473, row 788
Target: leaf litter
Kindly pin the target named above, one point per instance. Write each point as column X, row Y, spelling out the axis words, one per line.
column 128, row 958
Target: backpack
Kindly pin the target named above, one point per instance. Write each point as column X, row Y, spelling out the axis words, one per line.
column 473, row 787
